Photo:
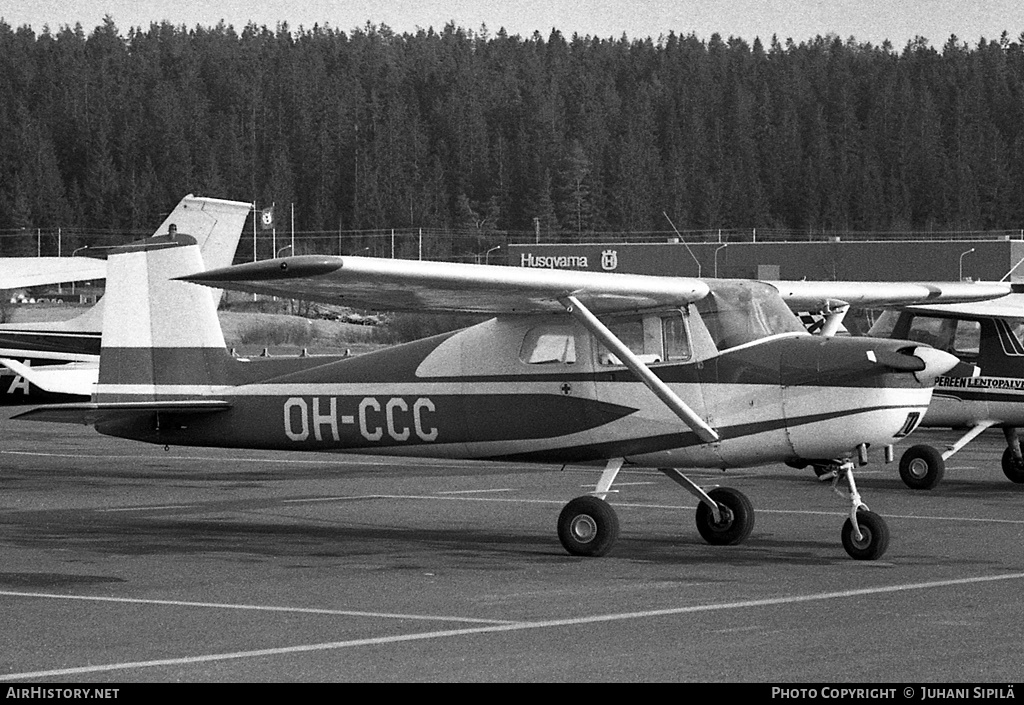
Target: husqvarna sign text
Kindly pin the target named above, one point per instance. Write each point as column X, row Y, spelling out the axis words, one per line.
column 609, row 260
column 528, row 259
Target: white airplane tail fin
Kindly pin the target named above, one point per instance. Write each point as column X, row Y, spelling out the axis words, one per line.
column 161, row 338
column 216, row 226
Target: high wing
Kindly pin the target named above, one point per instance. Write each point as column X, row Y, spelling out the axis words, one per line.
column 411, row 285
column 23, row 272
column 1009, row 306
column 830, row 295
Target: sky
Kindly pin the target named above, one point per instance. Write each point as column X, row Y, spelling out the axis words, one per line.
column 873, row 21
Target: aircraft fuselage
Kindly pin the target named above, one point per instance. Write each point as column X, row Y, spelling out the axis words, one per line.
column 481, row 393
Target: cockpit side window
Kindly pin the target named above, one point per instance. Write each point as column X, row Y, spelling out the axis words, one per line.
column 548, row 344
column 631, row 332
column 960, row 337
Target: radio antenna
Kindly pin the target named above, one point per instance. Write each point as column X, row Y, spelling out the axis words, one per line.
column 683, row 241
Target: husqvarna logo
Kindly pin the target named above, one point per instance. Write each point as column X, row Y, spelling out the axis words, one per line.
column 609, row 259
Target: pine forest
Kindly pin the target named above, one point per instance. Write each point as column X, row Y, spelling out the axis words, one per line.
column 476, row 137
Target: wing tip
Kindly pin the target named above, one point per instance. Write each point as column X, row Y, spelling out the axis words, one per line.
column 296, row 267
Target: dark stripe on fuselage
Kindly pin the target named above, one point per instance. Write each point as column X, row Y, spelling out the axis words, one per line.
column 987, row 396
column 370, row 422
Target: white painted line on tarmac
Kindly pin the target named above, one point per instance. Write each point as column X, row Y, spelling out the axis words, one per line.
column 838, row 512
column 510, row 627
column 149, row 509
column 499, row 489
column 255, row 608
column 622, row 484
column 322, row 459
column 346, row 498
column 832, row 512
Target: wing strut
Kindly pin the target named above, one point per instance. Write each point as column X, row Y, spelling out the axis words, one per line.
column 589, row 321
column 834, row 319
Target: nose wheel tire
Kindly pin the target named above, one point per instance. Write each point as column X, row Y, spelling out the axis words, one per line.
column 588, row 526
column 1012, row 468
column 874, row 536
column 737, row 518
column 922, row 467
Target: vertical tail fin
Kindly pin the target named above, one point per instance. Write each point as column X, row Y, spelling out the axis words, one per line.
column 215, row 224
column 161, row 338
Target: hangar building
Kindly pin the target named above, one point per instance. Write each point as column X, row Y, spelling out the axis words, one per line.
column 833, row 259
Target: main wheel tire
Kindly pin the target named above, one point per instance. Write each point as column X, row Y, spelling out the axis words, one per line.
column 1012, row 468
column 737, row 518
column 874, row 537
column 922, row 467
column 588, row 526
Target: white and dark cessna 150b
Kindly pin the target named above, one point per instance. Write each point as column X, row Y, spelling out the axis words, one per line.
column 575, row 367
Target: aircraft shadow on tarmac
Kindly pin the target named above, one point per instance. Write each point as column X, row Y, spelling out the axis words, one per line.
column 87, row 531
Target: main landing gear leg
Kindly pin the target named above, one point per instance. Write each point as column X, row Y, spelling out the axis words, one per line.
column 588, row 526
column 922, row 466
column 725, row 517
column 865, row 534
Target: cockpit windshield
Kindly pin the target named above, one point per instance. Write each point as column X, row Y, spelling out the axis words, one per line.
column 738, row 312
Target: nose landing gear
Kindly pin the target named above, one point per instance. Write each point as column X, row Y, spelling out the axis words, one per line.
column 865, row 534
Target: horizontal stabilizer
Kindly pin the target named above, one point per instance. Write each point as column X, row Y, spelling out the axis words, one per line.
column 88, row 412
column 74, row 378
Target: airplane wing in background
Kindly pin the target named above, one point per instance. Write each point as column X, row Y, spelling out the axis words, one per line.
column 829, row 295
column 199, row 217
column 1009, row 306
column 411, row 285
column 23, row 272
column 77, row 378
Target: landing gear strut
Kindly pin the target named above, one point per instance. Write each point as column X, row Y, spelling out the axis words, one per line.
column 588, row 526
column 865, row 534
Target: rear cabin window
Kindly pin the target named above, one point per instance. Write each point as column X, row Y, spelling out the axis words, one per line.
column 653, row 338
column 677, row 340
column 548, row 344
